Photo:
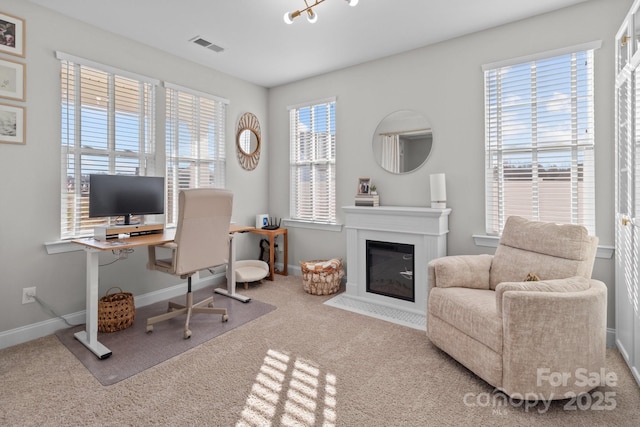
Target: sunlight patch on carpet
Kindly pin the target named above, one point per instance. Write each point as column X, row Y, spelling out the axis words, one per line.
column 382, row 312
column 309, row 396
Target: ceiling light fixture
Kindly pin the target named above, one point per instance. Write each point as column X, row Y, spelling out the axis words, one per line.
column 312, row 16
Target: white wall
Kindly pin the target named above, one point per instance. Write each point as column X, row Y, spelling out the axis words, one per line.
column 30, row 174
column 445, row 83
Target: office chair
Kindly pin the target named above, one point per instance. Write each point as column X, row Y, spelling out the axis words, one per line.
column 201, row 242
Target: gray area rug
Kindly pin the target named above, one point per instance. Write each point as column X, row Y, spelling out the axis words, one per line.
column 134, row 350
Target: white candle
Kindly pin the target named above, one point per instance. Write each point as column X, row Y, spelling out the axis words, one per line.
column 438, row 191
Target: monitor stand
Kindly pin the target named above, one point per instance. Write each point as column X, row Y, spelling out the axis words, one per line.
column 127, row 221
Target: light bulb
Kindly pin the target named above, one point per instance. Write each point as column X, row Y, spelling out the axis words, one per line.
column 312, row 17
column 288, row 18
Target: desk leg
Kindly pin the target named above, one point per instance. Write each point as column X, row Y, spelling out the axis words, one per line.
column 231, row 275
column 89, row 337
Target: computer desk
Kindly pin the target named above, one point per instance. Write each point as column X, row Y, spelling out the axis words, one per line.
column 93, row 247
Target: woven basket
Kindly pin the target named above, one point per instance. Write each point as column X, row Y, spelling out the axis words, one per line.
column 322, row 277
column 116, row 311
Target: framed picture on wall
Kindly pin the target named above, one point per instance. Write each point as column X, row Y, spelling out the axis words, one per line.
column 12, row 35
column 364, row 185
column 12, row 124
column 12, row 79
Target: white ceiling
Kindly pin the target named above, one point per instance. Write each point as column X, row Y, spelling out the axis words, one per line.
column 261, row 48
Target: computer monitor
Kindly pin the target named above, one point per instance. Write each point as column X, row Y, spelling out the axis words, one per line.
column 125, row 195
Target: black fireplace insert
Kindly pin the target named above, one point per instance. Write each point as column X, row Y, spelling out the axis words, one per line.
column 390, row 270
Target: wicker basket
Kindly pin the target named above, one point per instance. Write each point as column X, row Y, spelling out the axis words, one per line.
column 116, row 311
column 322, row 277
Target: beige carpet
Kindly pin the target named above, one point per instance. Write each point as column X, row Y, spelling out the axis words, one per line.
column 304, row 364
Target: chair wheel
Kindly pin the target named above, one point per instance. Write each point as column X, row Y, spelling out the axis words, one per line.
column 149, row 329
column 225, row 317
column 187, row 334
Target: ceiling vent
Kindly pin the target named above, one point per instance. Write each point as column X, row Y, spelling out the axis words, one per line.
column 205, row 43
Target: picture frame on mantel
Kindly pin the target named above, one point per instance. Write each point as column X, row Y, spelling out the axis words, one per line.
column 12, row 124
column 364, row 186
column 12, row 80
column 12, row 35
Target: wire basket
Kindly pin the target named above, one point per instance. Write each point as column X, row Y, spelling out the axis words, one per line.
column 322, row 277
column 116, row 311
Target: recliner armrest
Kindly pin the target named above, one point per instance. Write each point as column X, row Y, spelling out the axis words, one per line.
column 571, row 284
column 557, row 331
column 462, row 271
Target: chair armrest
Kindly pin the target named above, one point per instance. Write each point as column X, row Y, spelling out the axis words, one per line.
column 163, row 265
column 549, row 331
column 571, row 284
column 463, row 271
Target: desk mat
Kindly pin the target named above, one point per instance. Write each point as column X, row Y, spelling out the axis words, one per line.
column 134, row 350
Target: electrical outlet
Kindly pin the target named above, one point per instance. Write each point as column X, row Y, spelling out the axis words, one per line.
column 28, row 295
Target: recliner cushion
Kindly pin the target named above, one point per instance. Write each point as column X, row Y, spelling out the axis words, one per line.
column 472, row 311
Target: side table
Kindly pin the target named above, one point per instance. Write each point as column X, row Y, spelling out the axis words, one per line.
column 272, row 242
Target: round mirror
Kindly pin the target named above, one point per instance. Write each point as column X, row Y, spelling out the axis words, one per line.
column 402, row 142
column 248, row 141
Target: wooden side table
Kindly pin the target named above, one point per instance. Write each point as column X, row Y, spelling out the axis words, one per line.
column 272, row 249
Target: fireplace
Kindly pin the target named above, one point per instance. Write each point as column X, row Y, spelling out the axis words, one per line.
column 390, row 270
column 404, row 240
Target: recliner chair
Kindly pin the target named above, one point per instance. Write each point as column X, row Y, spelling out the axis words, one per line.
column 518, row 334
column 201, row 242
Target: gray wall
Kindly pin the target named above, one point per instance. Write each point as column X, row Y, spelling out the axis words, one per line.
column 444, row 82
column 30, row 174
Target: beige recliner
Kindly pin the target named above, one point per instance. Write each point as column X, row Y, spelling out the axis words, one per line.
column 531, row 339
column 201, row 242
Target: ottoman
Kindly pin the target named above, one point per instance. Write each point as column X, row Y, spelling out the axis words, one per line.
column 251, row 270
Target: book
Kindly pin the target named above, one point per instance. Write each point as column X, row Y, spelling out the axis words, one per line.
column 367, row 200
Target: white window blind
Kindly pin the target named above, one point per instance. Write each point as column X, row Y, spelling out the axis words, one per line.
column 107, row 128
column 312, row 162
column 539, row 141
column 195, row 152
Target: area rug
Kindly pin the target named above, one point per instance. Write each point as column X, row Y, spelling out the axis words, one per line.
column 135, row 350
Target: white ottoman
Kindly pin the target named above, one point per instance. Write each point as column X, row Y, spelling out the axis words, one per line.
column 251, row 270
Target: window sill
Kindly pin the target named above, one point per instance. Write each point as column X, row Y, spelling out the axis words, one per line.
column 61, row 246
column 604, row 252
column 294, row 223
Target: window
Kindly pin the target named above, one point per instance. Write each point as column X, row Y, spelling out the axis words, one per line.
column 313, row 162
column 539, row 140
column 107, row 127
column 195, row 143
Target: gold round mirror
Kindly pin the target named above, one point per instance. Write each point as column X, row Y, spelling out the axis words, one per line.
column 248, row 141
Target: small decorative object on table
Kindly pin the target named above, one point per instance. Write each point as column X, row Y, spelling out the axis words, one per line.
column 115, row 311
column 322, row 277
column 274, row 224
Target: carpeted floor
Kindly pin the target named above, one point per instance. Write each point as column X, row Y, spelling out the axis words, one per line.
column 304, row 364
column 134, row 350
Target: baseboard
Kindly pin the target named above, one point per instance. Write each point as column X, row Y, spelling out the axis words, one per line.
column 611, row 338
column 37, row 330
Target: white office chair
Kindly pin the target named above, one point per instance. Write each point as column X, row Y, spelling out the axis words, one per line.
column 201, row 242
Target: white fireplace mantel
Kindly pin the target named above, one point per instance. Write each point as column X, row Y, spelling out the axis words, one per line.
column 425, row 228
